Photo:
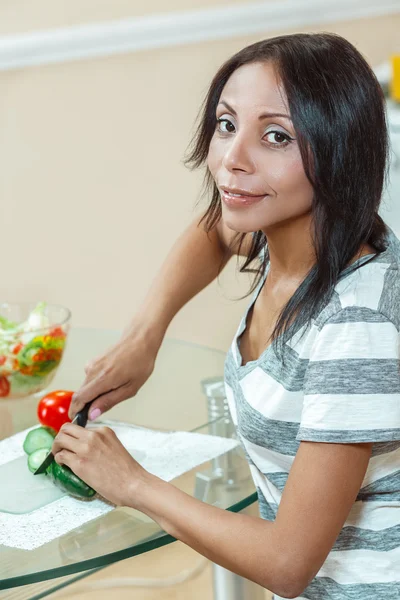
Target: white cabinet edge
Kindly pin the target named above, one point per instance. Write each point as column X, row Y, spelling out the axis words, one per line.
column 180, row 28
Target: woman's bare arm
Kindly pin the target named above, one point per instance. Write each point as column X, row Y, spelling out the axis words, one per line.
column 194, row 261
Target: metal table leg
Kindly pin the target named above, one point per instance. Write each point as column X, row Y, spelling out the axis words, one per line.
column 222, row 477
column 229, row 586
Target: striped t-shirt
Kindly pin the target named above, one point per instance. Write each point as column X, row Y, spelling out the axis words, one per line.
column 340, row 383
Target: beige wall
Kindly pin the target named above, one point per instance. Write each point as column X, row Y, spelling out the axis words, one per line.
column 25, row 15
column 93, row 191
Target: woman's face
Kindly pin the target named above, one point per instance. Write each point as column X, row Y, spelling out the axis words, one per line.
column 254, row 157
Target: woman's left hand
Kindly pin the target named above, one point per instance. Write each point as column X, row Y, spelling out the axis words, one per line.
column 100, row 460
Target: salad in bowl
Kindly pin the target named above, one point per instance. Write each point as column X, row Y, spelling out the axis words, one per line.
column 32, row 342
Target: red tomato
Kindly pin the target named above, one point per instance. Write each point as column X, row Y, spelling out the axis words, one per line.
column 57, row 332
column 17, row 348
column 2, row 360
column 4, row 387
column 53, row 409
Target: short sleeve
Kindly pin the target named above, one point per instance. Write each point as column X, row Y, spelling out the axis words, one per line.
column 352, row 381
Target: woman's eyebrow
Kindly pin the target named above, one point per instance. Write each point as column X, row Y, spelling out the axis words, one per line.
column 263, row 116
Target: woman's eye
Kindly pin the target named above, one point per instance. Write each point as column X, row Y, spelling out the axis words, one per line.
column 225, row 126
column 278, row 138
column 274, row 138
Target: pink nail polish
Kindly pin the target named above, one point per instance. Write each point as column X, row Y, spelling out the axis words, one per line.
column 94, row 414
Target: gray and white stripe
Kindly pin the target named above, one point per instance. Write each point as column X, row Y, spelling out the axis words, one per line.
column 339, row 383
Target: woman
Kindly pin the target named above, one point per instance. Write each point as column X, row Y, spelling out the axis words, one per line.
column 293, row 133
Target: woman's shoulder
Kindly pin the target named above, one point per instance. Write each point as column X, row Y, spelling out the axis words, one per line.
column 371, row 291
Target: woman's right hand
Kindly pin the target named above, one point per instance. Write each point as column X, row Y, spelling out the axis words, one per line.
column 117, row 374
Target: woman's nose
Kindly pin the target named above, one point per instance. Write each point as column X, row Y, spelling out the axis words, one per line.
column 237, row 155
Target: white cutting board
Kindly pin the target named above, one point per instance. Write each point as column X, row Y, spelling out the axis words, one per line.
column 21, row 491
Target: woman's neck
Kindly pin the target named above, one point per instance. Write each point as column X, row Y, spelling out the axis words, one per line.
column 291, row 250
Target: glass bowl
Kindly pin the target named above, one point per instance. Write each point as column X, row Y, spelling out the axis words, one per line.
column 32, row 343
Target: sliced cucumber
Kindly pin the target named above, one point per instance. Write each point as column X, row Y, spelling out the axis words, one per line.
column 66, row 480
column 36, row 458
column 41, row 437
column 37, row 445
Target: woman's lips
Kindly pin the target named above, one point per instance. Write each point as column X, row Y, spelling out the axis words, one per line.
column 240, row 200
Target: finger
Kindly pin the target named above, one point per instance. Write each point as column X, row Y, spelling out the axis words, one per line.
column 65, row 441
column 73, row 430
column 90, row 390
column 107, row 401
column 65, row 457
column 89, row 367
column 94, row 366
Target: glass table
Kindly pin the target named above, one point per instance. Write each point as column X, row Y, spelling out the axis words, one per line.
column 184, row 393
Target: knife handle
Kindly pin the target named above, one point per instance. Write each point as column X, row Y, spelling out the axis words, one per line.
column 81, row 418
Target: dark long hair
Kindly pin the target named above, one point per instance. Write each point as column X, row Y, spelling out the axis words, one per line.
column 337, row 110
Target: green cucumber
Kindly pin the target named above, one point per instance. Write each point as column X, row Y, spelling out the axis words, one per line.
column 37, row 445
column 41, row 437
column 66, row 480
column 36, row 458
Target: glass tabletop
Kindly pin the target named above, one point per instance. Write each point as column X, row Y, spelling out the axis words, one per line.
column 172, row 399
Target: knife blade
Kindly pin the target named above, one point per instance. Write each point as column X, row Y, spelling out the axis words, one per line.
column 80, row 419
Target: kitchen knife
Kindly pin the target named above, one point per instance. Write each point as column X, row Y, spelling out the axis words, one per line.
column 80, row 419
